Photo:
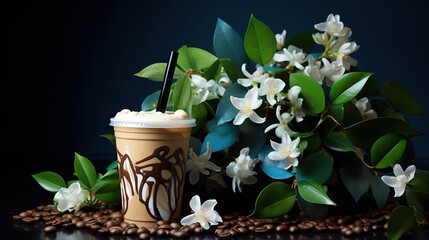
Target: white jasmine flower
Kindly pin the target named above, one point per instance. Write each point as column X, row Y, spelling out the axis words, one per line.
column 71, row 198
column 321, row 38
column 364, row 107
column 246, row 106
column 203, row 214
column 252, row 79
column 401, row 178
column 313, row 70
column 282, row 126
column 333, row 26
column 199, row 89
column 287, row 150
column 200, row 164
column 296, row 102
column 241, row 170
column 332, row 71
column 215, row 88
column 272, row 87
column 280, row 39
column 293, row 55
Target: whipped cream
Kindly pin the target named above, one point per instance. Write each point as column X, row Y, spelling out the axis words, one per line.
column 152, row 119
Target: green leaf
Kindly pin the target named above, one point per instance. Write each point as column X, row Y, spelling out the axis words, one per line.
column 363, row 134
column 347, row 87
column 112, row 166
column 274, row 200
column 401, row 220
column 232, row 71
column 419, row 202
column 156, row 71
column 303, row 40
column 338, row 141
column 199, row 112
column 316, row 167
column 111, row 175
column 182, row 94
column 380, row 191
column 213, row 72
column 259, row 42
column 420, row 182
column 85, row 171
column 228, row 44
column 50, row 181
column 110, row 137
column 312, row 210
column 108, row 191
column 401, row 99
column 356, row 176
column 313, row 192
column 387, row 150
column 311, row 92
column 194, row 58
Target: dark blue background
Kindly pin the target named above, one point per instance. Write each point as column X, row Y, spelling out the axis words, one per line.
column 71, row 65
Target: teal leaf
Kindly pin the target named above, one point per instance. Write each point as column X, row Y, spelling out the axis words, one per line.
column 401, row 99
column 313, row 192
column 156, row 71
column 303, row 40
column 252, row 135
column 221, row 137
column 274, row 200
column 347, row 87
column 387, row 150
column 363, row 134
column 316, row 167
column 227, row 43
column 113, row 165
column 356, row 177
column 110, row 137
column 338, row 141
column 85, row 171
column 380, row 191
column 151, row 101
column 225, row 111
column 311, row 92
column 259, row 42
column 49, row 181
column 401, row 221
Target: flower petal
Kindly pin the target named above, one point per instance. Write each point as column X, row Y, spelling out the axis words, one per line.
column 188, row 220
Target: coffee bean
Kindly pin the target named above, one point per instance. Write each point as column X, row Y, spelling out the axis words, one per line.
column 281, row 228
column 50, row 229
column 198, row 229
column 144, row 236
column 175, row 225
column 180, row 234
column 161, row 232
column 116, row 230
column 293, row 229
column 28, row 220
column 243, row 230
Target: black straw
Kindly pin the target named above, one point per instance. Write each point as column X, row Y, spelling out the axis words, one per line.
column 166, row 84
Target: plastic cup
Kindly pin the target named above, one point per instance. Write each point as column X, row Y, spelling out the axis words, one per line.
column 152, row 149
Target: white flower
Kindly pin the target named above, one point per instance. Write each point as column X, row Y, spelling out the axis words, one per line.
column 401, row 178
column 296, row 102
column 332, row 71
column 313, row 70
column 199, row 89
column 282, row 126
column 203, row 214
column 293, row 55
column 280, row 39
column 364, row 107
column 246, row 106
column 333, row 26
column 252, row 79
column 241, row 170
column 287, row 150
column 215, row 88
column 200, row 164
column 272, row 87
column 344, row 52
column 71, row 198
column 321, row 38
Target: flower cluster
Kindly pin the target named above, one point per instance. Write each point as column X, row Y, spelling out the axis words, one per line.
column 297, row 109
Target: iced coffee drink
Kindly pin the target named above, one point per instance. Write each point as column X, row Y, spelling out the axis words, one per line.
column 151, row 149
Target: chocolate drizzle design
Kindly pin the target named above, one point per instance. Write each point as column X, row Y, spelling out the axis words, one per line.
column 158, row 178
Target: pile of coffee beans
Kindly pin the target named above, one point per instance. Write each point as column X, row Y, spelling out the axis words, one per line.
column 109, row 220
